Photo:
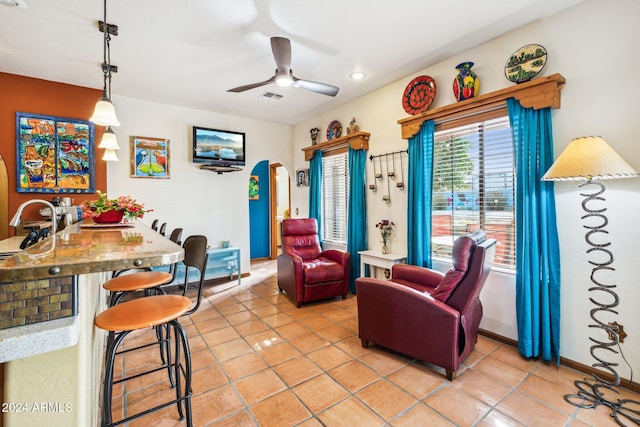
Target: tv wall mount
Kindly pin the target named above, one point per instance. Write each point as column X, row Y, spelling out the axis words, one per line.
column 220, row 169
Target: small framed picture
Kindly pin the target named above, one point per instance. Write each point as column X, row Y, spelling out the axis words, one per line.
column 302, row 177
column 254, row 187
column 149, row 157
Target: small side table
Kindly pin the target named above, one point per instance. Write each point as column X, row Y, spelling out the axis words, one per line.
column 377, row 259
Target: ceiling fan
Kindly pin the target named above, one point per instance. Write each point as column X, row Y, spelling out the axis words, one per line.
column 281, row 48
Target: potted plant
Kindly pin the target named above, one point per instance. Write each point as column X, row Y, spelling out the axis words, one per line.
column 108, row 211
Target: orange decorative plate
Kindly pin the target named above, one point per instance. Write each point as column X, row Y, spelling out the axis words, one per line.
column 419, row 95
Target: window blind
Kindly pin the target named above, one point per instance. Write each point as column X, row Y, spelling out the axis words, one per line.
column 335, row 195
column 474, row 186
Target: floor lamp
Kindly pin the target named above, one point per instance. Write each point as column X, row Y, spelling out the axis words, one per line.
column 591, row 159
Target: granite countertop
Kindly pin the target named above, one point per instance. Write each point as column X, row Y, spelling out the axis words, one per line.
column 87, row 248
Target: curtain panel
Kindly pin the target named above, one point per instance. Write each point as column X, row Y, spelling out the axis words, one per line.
column 537, row 246
column 315, row 190
column 357, row 212
column 419, row 184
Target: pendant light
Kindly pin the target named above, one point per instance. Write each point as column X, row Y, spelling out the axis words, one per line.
column 105, row 113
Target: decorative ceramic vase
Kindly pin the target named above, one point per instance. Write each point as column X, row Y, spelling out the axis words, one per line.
column 466, row 84
column 109, row 217
column 385, row 248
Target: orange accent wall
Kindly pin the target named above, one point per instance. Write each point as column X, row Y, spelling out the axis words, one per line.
column 26, row 94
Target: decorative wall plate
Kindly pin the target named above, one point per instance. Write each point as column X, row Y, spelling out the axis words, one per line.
column 419, row 95
column 334, row 130
column 525, row 63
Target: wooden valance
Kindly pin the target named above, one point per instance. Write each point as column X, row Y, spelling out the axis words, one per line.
column 356, row 140
column 537, row 93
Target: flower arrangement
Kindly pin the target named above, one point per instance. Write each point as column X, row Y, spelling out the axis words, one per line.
column 129, row 207
column 386, row 228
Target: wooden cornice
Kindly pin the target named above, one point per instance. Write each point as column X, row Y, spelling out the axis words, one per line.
column 537, row 93
column 356, row 140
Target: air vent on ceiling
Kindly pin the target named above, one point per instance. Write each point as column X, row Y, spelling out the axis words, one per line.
column 272, row 96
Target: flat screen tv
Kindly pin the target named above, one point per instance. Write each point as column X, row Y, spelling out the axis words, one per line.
column 216, row 147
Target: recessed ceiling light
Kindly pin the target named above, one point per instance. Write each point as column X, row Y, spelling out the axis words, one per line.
column 14, row 3
column 357, row 75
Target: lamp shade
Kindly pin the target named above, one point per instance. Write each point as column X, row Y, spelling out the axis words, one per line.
column 105, row 113
column 109, row 140
column 589, row 157
column 110, row 156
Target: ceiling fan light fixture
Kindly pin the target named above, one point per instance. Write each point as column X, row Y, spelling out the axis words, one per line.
column 357, row 75
column 284, row 79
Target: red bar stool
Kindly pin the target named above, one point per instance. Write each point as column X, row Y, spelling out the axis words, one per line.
column 152, row 311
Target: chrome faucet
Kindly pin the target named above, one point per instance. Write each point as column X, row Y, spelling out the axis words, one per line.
column 15, row 221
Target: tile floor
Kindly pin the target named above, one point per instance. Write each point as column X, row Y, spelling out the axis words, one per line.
column 260, row 361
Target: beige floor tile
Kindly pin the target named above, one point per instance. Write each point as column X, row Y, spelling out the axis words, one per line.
column 241, row 317
column 297, row 370
column 386, row 399
column 240, row 419
column 320, row 392
column 220, row 336
column 458, row 406
column 353, row 346
column 279, row 353
column 279, row 319
column 350, row 413
column 292, row 330
column 510, row 355
column 231, row 349
column 418, row 415
column 207, row 379
column 482, row 386
column 265, row 310
column 244, row 365
column 335, row 333
column 354, row 375
column 252, row 327
column 259, row 386
column 384, row 362
column 262, row 340
column 498, row 419
column 316, row 322
column 530, row 412
column 503, row 372
column 215, row 405
column 417, row 380
column 212, row 324
column 309, row 342
column 329, row 357
column 283, row 409
column 547, row 392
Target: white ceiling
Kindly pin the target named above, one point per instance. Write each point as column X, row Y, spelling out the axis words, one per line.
column 189, row 53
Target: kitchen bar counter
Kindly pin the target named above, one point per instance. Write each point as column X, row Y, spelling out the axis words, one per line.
column 58, row 363
column 81, row 249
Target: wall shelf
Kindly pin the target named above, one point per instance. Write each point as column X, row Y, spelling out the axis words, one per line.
column 356, row 140
column 220, row 169
column 537, row 93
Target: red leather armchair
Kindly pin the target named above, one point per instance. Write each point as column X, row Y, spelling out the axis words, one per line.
column 305, row 271
column 426, row 314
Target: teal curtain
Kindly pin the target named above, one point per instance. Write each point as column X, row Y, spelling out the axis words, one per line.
column 537, row 246
column 419, row 183
column 357, row 212
column 315, row 189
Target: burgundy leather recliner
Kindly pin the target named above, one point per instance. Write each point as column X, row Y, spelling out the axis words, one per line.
column 305, row 271
column 426, row 314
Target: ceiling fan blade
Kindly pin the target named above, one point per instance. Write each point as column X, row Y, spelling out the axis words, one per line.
column 252, row 86
column 321, row 88
column 281, row 48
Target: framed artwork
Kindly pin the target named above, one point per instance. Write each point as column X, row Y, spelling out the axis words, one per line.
column 149, row 157
column 302, row 177
column 254, row 187
column 54, row 154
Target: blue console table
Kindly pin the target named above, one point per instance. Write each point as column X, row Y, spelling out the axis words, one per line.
column 221, row 262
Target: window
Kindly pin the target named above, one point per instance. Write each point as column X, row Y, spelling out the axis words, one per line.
column 474, row 185
column 335, row 196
